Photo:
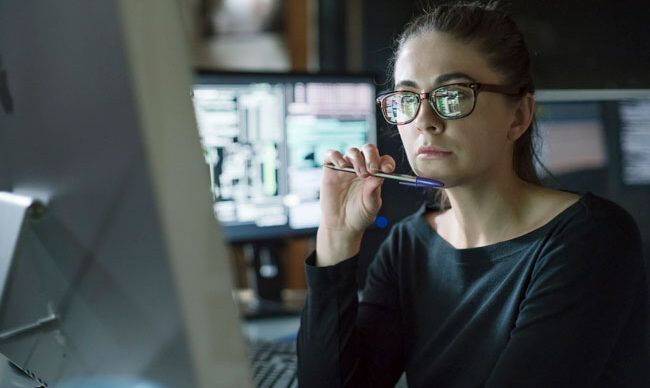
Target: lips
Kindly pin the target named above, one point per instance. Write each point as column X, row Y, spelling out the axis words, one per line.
column 433, row 151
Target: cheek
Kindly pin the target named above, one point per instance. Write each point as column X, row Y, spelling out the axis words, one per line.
column 489, row 149
column 408, row 137
column 481, row 141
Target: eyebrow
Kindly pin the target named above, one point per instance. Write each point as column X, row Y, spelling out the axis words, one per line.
column 441, row 79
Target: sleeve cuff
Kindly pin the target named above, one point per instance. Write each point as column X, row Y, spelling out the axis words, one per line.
column 339, row 274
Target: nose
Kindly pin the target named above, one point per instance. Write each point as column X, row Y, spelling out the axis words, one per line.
column 426, row 118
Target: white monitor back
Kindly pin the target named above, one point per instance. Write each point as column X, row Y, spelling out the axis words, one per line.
column 128, row 253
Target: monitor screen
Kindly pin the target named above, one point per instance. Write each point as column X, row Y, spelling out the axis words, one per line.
column 595, row 138
column 635, row 141
column 573, row 136
column 264, row 139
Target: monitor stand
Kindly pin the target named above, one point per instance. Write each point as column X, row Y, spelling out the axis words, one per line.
column 265, row 277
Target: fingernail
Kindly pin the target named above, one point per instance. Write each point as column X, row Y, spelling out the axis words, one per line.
column 373, row 168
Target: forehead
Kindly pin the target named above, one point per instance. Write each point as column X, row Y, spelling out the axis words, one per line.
column 425, row 60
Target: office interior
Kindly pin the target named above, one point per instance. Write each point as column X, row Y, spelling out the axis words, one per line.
column 590, row 65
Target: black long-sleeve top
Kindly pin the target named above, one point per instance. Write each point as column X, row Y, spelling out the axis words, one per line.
column 562, row 306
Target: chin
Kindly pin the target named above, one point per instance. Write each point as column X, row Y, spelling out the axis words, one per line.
column 448, row 177
column 428, row 171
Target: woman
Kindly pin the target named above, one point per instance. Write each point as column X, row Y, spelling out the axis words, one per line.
column 506, row 282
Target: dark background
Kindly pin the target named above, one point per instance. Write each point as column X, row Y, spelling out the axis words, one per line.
column 574, row 44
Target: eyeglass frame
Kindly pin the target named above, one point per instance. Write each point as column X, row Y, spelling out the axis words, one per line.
column 476, row 88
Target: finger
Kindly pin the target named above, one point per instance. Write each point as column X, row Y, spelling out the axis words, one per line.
column 334, row 157
column 371, row 155
column 387, row 163
column 372, row 193
column 355, row 156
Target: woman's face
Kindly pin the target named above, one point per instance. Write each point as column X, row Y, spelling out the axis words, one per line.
column 454, row 151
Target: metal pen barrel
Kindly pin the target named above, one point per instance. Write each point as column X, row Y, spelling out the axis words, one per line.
column 398, row 177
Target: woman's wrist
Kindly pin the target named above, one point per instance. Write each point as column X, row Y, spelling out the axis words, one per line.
column 334, row 245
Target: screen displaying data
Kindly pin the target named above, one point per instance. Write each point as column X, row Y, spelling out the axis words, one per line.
column 586, row 131
column 264, row 139
column 635, row 141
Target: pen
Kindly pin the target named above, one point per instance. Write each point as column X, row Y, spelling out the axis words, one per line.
column 407, row 180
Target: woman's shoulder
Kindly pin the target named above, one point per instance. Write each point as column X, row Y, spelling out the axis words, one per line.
column 592, row 208
column 562, row 206
column 594, row 234
column 546, row 206
column 593, row 217
column 601, row 207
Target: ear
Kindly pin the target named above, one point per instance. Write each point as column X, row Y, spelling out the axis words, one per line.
column 523, row 116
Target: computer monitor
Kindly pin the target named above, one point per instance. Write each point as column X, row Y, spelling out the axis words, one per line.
column 265, row 136
column 596, row 139
column 127, row 254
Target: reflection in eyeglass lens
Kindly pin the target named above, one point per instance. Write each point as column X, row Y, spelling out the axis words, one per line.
column 401, row 107
column 454, row 101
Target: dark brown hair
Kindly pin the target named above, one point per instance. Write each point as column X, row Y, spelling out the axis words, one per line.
column 497, row 36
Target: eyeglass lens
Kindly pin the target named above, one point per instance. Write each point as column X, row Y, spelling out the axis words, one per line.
column 450, row 102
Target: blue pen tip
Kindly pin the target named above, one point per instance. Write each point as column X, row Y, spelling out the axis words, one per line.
column 426, row 182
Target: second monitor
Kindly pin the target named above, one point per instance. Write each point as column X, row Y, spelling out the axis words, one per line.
column 265, row 136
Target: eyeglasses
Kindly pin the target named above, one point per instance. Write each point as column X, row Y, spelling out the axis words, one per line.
column 450, row 102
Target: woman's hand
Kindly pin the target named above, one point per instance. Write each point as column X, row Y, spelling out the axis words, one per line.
column 349, row 203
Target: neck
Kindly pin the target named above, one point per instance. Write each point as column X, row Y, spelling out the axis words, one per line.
column 490, row 211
